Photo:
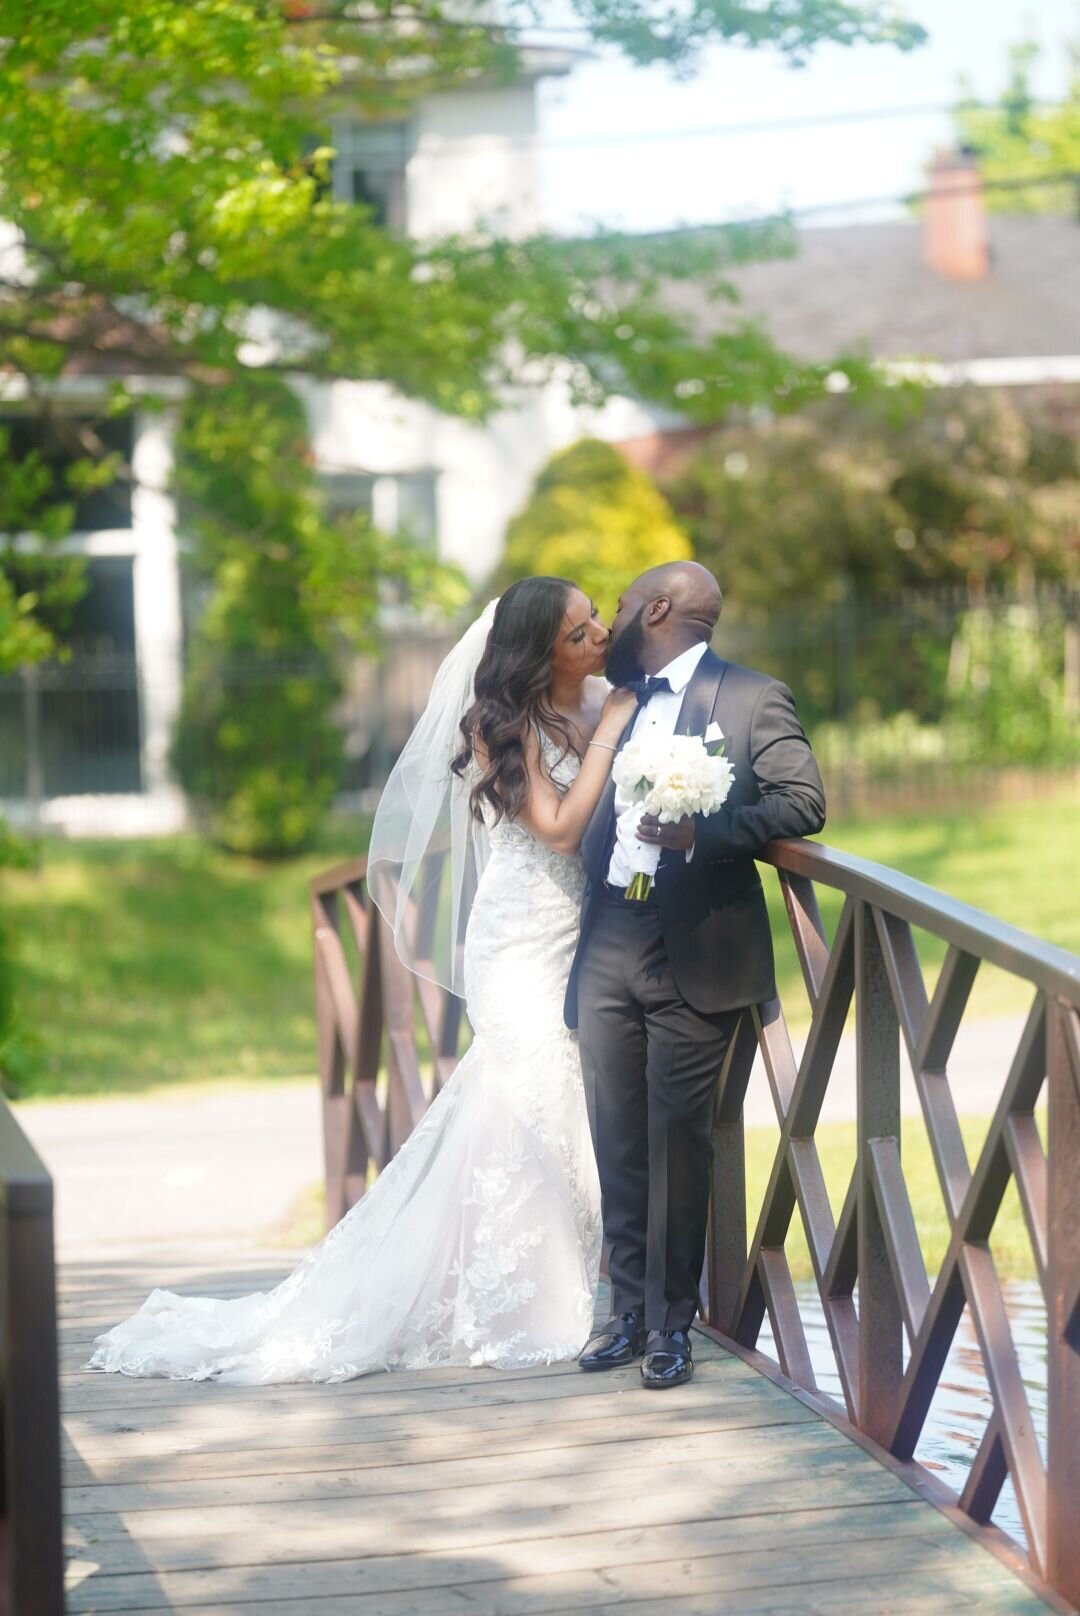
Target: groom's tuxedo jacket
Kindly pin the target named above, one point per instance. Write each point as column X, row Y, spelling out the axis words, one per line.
column 712, row 908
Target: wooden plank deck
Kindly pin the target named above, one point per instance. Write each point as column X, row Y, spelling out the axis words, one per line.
column 475, row 1491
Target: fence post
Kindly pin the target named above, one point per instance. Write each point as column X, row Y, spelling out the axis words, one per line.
column 877, row 1054
column 1072, row 670
column 35, row 767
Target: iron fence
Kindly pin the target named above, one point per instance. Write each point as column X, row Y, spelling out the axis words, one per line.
column 917, row 699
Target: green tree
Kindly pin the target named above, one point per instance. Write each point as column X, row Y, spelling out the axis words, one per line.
column 1021, row 139
column 970, row 492
column 162, row 167
column 812, row 524
column 39, row 583
column 594, row 518
column 256, row 745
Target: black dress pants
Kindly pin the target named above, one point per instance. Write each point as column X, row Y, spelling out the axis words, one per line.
column 650, row 1064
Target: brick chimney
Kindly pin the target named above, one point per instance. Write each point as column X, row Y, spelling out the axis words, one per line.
column 954, row 220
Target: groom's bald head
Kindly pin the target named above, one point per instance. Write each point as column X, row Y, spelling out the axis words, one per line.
column 692, row 593
column 663, row 612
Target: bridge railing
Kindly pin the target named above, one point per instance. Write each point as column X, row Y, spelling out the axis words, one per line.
column 370, row 1106
column 890, row 1324
column 31, row 1535
column 891, row 1346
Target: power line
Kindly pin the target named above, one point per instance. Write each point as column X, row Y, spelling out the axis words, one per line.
column 853, row 205
column 775, row 125
column 448, row 146
column 1031, row 182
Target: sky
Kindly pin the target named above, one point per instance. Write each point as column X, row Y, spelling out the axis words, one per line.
column 651, row 182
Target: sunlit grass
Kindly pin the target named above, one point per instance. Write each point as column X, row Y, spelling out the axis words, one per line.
column 143, row 963
column 835, row 1141
column 149, row 963
column 1018, row 862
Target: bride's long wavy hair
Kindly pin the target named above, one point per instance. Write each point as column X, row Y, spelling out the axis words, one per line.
column 511, row 690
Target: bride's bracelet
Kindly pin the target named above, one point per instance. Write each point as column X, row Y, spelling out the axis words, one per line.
column 605, row 746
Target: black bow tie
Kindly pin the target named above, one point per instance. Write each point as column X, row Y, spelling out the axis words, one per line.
column 646, row 689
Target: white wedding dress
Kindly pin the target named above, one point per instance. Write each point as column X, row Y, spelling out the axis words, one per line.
column 480, row 1241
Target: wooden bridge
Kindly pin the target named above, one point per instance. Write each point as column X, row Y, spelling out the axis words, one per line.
column 748, row 1491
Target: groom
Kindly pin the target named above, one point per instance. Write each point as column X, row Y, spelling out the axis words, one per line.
column 657, row 987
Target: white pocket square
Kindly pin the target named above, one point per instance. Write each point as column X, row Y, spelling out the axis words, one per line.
column 713, row 733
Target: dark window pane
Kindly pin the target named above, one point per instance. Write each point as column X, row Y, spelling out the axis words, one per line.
column 57, row 440
column 90, row 728
column 103, row 622
column 348, row 492
column 80, row 718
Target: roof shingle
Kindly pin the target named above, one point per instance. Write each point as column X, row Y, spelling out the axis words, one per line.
column 867, row 286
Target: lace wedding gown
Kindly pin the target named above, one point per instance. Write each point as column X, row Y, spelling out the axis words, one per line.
column 480, row 1241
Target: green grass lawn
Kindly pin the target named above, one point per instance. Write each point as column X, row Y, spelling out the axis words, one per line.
column 836, row 1149
column 1018, row 861
column 148, row 962
column 143, row 963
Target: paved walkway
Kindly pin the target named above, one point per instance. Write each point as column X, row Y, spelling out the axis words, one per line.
column 202, row 1168
column 206, row 1168
column 543, row 1490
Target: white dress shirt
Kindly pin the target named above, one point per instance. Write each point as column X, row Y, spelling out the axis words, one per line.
column 660, row 713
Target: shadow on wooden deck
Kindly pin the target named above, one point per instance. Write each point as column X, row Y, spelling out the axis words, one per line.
column 473, row 1490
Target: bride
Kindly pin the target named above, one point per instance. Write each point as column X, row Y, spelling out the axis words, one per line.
column 480, row 1241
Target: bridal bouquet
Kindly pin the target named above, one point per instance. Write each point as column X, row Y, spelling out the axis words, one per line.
column 671, row 776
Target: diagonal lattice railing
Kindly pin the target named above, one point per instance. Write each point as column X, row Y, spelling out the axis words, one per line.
column 868, row 1264
column 873, row 1247
column 369, row 1109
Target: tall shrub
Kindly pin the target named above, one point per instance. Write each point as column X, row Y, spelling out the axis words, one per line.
column 256, row 744
column 593, row 517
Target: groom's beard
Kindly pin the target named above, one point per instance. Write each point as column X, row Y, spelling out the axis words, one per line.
column 625, row 653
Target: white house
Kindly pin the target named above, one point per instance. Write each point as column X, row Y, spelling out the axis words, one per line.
column 94, row 758
column 468, row 156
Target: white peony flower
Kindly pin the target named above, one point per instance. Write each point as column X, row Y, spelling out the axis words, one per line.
column 672, row 776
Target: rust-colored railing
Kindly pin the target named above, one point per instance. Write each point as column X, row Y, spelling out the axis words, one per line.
column 871, row 1277
column 31, row 1538
column 365, row 1120
column 874, row 1245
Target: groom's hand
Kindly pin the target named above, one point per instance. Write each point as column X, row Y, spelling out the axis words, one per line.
column 679, row 836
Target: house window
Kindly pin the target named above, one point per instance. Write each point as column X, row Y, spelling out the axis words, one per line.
column 90, row 719
column 103, row 621
column 369, row 168
column 60, row 440
column 403, row 502
column 70, row 728
column 417, row 512
column 349, row 492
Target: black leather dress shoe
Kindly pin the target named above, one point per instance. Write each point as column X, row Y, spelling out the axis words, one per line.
column 667, row 1360
column 618, row 1342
